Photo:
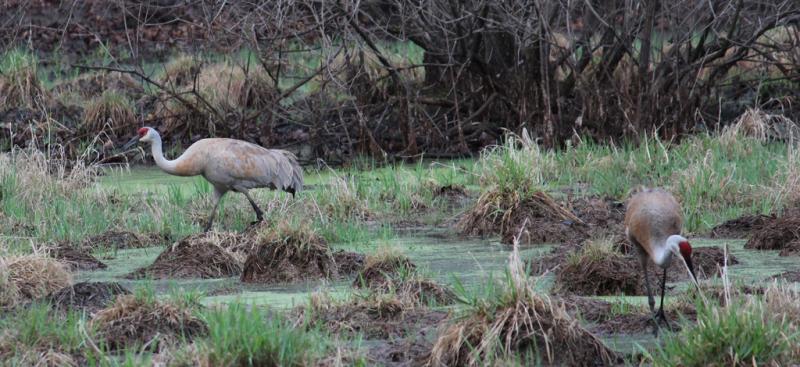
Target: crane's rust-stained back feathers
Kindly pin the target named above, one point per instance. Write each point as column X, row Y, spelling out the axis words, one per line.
column 651, row 217
column 237, row 164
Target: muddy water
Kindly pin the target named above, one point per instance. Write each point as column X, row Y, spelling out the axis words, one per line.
column 438, row 252
column 470, row 262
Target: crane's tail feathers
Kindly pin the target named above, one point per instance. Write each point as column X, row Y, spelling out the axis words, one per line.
column 297, row 174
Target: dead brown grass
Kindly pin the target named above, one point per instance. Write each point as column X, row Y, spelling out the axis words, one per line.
column 74, row 259
column 776, row 234
column 521, row 320
column 181, row 71
column 203, row 255
column 111, row 112
column 379, row 316
column 289, row 252
column 502, row 213
column 39, row 356
column 390, row 272
column 30, row 277
column 597, row 269
column 93, row 84
column 137, row 322
column 762, row 126
column 21, row 88
column 40, row 177
column 222, row 87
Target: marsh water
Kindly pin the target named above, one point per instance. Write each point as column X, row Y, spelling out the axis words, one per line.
column 439, row 252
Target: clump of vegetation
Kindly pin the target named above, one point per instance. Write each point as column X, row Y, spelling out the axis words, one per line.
column 229, row 86
column 88, row 297
column 540, row 218
column 110, row 112
column 33, row 336
column 360, row 72
column 744, row 331
column 30, row 277
column 292, row 251
column 381, row 315
column 516, row 320
column 94, row 84
column 242, row 335
column 204, row 255
column 181, row 71
column 221, row 89
column 390, row 272
column 776, row 234
column 19, row 85
column 74, row 259
column 598, row 269
column 340, row 200
column 512, row 179
column 140, row 320
column 382, row 266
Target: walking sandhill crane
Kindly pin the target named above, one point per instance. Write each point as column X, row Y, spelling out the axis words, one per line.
column 653, row 221
column 229, row 165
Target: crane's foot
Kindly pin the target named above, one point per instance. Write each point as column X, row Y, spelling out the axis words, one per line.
column 660, row 316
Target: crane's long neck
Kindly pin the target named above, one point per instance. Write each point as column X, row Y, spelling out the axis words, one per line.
column 662, row 252
column 162, row 162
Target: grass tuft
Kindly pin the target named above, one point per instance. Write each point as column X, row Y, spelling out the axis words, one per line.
column 30, row 277
column 19, row 85
column 517, row 320
column 111, row 112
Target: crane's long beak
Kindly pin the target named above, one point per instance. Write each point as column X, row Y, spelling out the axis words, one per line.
column 691, row 271
column 130, row 143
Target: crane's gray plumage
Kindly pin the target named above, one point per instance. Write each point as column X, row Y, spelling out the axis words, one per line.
column 231, row 165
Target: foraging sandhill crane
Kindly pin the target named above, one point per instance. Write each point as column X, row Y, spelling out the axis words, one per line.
column 229, row 165
column 653, row 221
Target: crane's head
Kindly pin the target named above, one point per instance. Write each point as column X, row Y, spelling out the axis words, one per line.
column 680, row 246
column 144, row 135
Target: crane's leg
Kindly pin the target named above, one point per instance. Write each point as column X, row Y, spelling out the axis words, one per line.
column 660, row 313
column 650, row 299
column 643, row 261
column 217, row 197
column 259, row 213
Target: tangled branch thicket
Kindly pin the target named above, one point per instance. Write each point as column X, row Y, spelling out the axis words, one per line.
column 395, row 78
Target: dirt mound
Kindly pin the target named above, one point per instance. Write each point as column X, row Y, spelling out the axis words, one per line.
column 375, row 318
column 547, row 221
column 380, row 271
column 789, row 276
column 348, row 262
column 791, row 249
column 196, row 256
column 88, row 297
column 777, row 234
column 617, row 274
column 538, row 323
column 134, row 322
column 608, row 275
column 122, row 240
column 285, row 254
column 75, row 259
column 740, row 227
column 394, row 273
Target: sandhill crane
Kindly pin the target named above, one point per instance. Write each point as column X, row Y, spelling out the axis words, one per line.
column 653, row 222
column 229, row 165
